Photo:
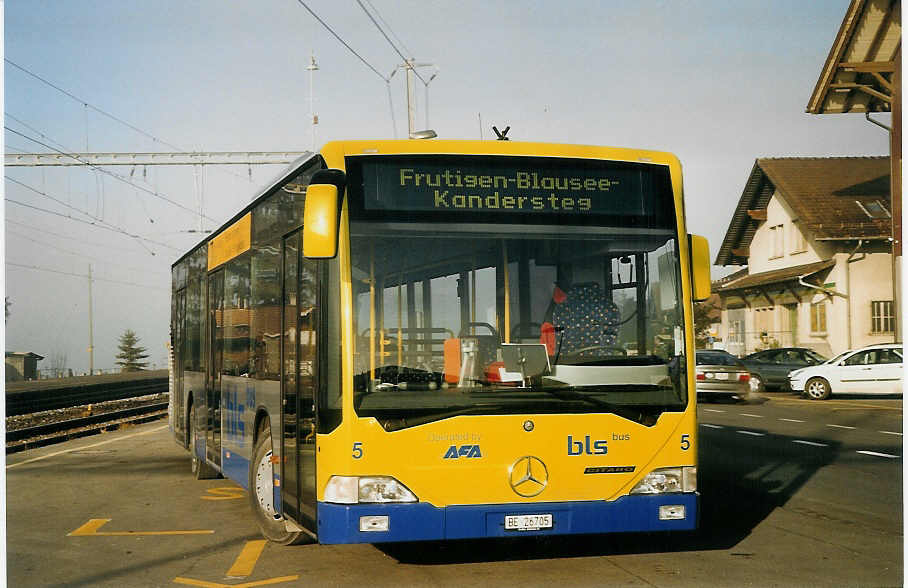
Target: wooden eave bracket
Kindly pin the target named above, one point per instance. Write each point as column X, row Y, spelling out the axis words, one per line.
column 867, row 66
column 863, row 88
column 759, row 215
column 793, row 293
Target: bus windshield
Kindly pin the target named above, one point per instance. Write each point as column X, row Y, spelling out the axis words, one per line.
column 512, row 319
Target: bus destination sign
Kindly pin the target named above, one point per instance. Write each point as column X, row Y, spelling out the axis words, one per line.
column 508, row 185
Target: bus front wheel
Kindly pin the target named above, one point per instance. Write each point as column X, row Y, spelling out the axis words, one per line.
column 261, row 493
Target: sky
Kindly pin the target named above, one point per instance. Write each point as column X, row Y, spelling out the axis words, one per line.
column 719, row 83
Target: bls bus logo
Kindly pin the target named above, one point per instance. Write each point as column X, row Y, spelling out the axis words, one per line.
column 581, row 447
column 455, row 452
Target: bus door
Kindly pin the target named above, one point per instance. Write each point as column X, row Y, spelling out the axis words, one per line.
column 215, row 364
column 298, row 383
column 178, row 348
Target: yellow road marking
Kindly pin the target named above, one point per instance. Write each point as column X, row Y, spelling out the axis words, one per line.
column 225, row 493
column 191, row 582
column 13, row 465
column 247, row 559
column 90, row 529
column 241, row 568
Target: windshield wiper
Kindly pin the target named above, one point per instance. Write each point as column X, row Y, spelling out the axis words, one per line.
column 611, row 360
column 397, row 423
column 643, row 414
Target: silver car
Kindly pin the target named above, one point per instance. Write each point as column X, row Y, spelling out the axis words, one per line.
column 721, row 375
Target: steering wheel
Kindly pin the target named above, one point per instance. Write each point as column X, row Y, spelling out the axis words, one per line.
column 466, row 328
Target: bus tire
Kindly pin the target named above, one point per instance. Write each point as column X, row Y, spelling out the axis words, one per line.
column 817, row 389
column 200, row 468
column 261, row 493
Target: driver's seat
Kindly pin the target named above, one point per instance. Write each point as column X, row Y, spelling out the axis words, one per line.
column 587, row 318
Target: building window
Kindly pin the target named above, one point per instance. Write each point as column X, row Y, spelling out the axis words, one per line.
column 818, row 317
column 798, row 242
column 881, row 318
column 777, row 235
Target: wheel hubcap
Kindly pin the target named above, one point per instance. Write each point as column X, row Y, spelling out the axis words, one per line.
column 264, row 486
column 755, row 384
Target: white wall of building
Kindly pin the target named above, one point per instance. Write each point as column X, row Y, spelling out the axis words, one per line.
column 779, row 243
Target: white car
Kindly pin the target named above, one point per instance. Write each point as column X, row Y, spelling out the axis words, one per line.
column 875, row 369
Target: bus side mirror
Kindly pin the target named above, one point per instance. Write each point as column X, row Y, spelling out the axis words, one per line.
column 699, row 263
column 320, row 216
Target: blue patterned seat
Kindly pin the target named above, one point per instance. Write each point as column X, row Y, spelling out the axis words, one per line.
column 588, row 318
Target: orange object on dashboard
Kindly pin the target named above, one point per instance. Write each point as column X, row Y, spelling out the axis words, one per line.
column 493, row 371
column 452, row 360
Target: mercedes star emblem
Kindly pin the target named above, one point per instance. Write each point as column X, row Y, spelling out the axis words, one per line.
column 528, row 476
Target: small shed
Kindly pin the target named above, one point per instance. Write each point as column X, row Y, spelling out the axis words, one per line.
column 21, row 365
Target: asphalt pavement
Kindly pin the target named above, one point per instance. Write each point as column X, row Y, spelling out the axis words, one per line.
column 793, row 493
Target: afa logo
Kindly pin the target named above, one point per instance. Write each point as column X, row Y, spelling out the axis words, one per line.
column 455, row 452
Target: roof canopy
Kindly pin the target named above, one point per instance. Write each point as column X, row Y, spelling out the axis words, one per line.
column 23, row 354
column 832, row 198
column 780, row 276
column 858, row 73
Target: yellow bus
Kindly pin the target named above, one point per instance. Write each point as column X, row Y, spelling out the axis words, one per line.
column 431, row 339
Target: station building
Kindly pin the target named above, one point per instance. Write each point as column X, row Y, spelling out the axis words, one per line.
column 815, row 237
column 21, row 366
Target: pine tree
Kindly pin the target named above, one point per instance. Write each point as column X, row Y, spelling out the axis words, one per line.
column 131, row 355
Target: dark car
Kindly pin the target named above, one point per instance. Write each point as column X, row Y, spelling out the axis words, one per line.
column 769, row 368
column 720, row 375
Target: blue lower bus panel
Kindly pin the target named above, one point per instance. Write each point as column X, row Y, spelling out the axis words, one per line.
column 377, row 523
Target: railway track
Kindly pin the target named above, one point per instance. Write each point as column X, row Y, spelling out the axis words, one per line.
column 23, row 398
column 62, row 425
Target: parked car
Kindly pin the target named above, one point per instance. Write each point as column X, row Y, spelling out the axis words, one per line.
column 721, row 375
column 770, row 368
column 875, row 369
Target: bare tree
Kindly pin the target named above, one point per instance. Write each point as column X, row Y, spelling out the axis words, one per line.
column 56, row 364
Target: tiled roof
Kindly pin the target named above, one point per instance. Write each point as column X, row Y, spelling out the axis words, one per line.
column 775, row 276
column 822, row 193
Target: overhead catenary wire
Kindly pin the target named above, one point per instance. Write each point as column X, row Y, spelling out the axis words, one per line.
column 44, row 231
column 388, row 39
column 386, row 79
column 87, row 105
column 62, row 148
column 109, row 173
column 82, row 255
column 139, row 238
column 94, row 278
column 103, row 223
column 409, row 64
column 58, row 201
column 344, row 43
column 384, row 22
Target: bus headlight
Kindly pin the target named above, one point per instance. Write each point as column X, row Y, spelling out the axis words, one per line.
column 683, row 479
column 366, row 489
